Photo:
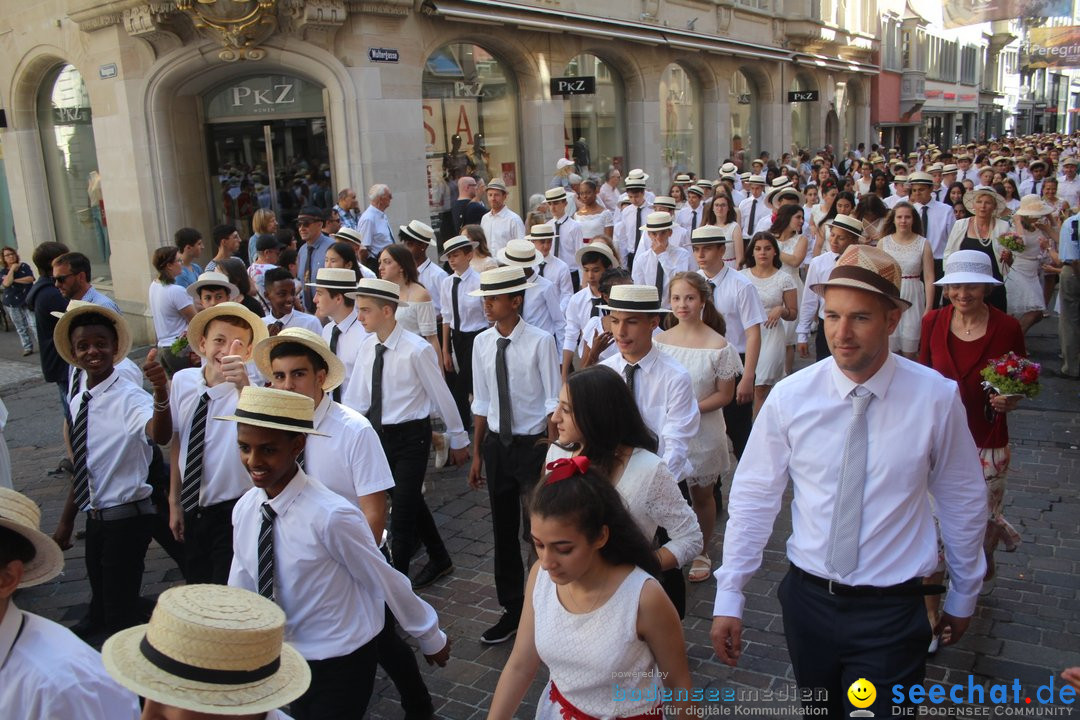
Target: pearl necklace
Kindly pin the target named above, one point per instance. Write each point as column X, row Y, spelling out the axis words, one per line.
column 985, row 242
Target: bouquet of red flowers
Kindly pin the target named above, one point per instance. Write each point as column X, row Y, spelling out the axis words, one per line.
column 1012, row 374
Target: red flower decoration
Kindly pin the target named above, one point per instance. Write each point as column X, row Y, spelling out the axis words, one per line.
column 566, row 467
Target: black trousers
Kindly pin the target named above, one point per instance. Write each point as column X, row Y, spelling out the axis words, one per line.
column 158, row 477
column 939, row 272
column 208, row 543
column 397, row 659
column 512, row 471
column 115, row 553
column 406, row 447
column 461, row 381
column 821, row 345
column 739, row 420
column 833, row 641
column 340, row 687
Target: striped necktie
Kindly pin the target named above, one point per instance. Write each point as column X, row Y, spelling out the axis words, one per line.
column 193, row 468
column 78, row 454
column 266, row 552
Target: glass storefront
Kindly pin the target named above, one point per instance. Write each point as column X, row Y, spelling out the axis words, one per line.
column 742, row 100
column 594, row 126
column 680, row 122
column 470, row 125
column 71, row 167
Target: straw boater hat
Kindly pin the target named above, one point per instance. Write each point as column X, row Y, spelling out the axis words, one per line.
column 1071, row 160
column 972, row 195
column 349, row 235
column 545, row 231
column 729, row 168
column 745, row 176
column 1033, row 206
column 664, row 201
column 519, row 254
column 968, row 267
column 456, row 243
column 634, row 298
column 709, row 235
column 275, row 409
column 637, row 174
column 682, row 179
column 340, row 279
column 21, row 515
column 418, row 231
column 600, row 248
column 62, row 331
column 846, row 222
column 865, row 267
column 556, row 194
column 704, row 185
column 211, row 649
column 634, row 184
column 657, row 221
column 198, row 324
column 695, row 189
column 213, row 279
column 935, row 168
column 756, row 180
column 502, row 281
column 335, row 374
column 376, row 288
column 920, row 178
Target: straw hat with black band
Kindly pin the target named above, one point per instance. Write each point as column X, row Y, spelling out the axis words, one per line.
column 335, row 373
column 634, row 298
column 418, row 231
column 340, row 279
column 505, row 280
column 22, row 516
column 519, row 253
column 62, row 331
column 545, row 231
column 350, row 236
column 213, row 279
column 376, row 288
column 459, row 242
column 275, row 409
column 846, row 222
column 197, row 326
column 556, row 194
column 210, row 649
column 864, row 267
column 709, row 235
column 657, row 222
column 598, row 247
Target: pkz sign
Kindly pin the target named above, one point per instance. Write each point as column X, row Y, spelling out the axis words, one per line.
column 264, row 95
column 573, row 85
column 803, row 96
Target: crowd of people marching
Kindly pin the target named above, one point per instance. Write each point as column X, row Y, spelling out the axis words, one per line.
column 601, row 368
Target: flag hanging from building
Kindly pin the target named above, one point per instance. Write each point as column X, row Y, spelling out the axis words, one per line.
column 1051, row 47
column 971, row 12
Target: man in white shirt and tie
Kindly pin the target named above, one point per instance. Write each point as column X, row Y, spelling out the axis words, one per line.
column 753, row 207
column 1033, row 184
column 568, row 235
column 690, row 215
column 500, row 224
column 937, row 220
column 632, row 218
column 863, row 531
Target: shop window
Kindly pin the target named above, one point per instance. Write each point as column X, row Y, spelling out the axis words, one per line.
column 800, row 115
column 594, row 126
column 680, row 121
column 743, row 102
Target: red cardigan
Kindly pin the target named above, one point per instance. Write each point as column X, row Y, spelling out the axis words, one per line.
column 963, row 362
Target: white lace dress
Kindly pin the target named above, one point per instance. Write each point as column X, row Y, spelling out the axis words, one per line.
column 417, row 317
column 770, row 365
column 708, row 451
column 652, row 496
column 588, row 653
column 1023, row 291
column 909, row 256
column 788, row 246
column 729, row 248
column 593, row 225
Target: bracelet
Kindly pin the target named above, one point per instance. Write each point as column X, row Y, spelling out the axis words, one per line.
column 161, row 406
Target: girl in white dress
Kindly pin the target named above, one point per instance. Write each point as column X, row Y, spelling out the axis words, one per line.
column 904, row 241
column 788, row 229
column 417, row 313
column 1023, row 288
column 595, row 219
column 697, row 342
column 722, row 213
column 777, row 292
column 594, row 614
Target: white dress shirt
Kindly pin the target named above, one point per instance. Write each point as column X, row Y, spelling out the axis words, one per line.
column 502, row 228
column 374, row 228
column 745, row 208
column 628, row 229
column 126, row 368
column 685, row 216
column 608, row 197
column 348, row 345
column 329, row 577
column 471, row 308
column 533, row 366
column 571, row 237
column 118, row 452
column 799, row 435
column 295, row 318
column 47, row 673
column 412, row 383
column 543, row 307
column 1069, row 191
column 673, row 260
column 558, row 273
column 431, row 277
column 664, row 393
column 811, row 304
column 738, row 301
column 351, row 458
column 680, row 238
column 941, row 218
column 578, row 312
column 224, row 475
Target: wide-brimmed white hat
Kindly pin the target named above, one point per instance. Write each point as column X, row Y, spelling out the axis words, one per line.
column 22, row 515
column 459, row 242
column 275, row 409
column 755, row 180
column 1033, row 206
column 504, row 280
column 349, row 235
column 972, row 195
column 213, row 279
column 211, row 649
column 599, row 247
column 78, row 308
column 340, row 279
column 658, row 221
column 664, row 201
column 846, row 222
column 968, row 267
column 376, row 288
column 555, row 194
column 418, row 231
column 544, row 231
column 335, row 374
column 519, row 253
column 634, row 298
column 709, row 235
column 864, row 267
column 197, row 326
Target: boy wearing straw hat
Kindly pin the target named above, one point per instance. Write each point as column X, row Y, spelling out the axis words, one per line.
column 679, row 237
column 418, row 237
column 551, row 267
column 542, row 305
column 658, row 262
column 45, row 670
column 751, row 209
column 342, row 331
column 312, row 552
column 593, row 259
column 509, row 427
column 463, row 320
column 631, row 218
column 212, row 288
column 567, row 233
column 209, row 651
column 206, row 475
column 115, row 423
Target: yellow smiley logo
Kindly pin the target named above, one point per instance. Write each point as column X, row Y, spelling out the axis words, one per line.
column 862, row 693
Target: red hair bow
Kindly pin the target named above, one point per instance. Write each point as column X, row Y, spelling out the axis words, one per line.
column 566, row 467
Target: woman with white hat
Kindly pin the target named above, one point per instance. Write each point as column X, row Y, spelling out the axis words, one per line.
column 1023, row 286
column 981, row 232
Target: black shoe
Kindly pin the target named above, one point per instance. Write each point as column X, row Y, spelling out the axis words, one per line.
column 430, row 573
column 501, row 631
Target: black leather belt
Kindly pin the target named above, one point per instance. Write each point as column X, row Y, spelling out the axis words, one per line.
column 914, row 586
column 123, row 512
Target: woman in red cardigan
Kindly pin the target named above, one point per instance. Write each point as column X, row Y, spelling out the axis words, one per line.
column 959, row 340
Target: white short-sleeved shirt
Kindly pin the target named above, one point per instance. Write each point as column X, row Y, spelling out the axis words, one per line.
column 166, row 302
column 348, row 346
column 501, row 229
column 431, row 277
column 533, row 368
column 351, row 458
column 471, row 308
column 296, row 319
column 737, row 300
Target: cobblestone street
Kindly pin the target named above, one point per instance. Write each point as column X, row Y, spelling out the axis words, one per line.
column 1027, row 628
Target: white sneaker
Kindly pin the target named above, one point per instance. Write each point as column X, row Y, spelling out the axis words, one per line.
column 442, row 449
column 934, row 643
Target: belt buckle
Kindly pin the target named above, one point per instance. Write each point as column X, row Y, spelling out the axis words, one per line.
column 831, row 591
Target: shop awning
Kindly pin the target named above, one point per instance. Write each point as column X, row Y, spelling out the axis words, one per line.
column 548, row 20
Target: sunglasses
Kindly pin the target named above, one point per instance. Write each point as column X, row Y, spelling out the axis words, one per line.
column 305, row 223
column 60, row 279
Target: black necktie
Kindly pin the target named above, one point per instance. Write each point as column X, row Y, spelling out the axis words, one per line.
column 266, row 552
column 193, row 468
column 502, row 380
column 628, row 373
column 543, row 266
column 375, row 410
column 558, row 228
column 596, row 303
column 76, row 380
column 637, row 228
column 659, row 279
column 712, row 286
column 925, row 222
column 693, row 220
column 753, row 213
column 457, row 310
column 335, row 334
column 1035, row 188
column 78, row 454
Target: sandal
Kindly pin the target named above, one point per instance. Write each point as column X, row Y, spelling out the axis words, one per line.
column 700, row 569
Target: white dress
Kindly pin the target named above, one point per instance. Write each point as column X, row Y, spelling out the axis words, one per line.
column 652, row 496
column 593, row 225
column 729, row 248
column 417, row 317
column 910, row 256
column 770, row 365
column 1023, row 291
column 788, row 246
column 708, row 451
column 587, row 654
